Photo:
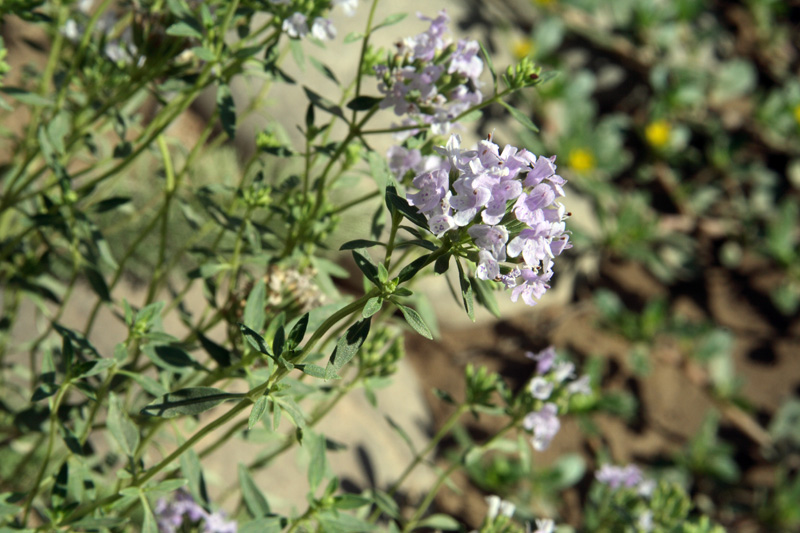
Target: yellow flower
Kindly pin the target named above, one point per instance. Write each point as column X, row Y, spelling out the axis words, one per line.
column 580, row 160
column 522, row 48
column 658, row 133
column 796, row 113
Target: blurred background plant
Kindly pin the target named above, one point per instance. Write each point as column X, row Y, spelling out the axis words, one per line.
column 677, row 125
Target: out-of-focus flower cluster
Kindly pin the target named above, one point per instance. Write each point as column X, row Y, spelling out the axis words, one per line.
column 172, row 514
column 554, row 379
column 506, row 200
column 296, row 24
column 630, row 477
column 429, row 79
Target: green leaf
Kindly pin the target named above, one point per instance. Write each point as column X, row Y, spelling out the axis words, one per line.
column 347, row 346
column 121, row 426
column 442, row 264
column 485, row 295
column 108, row 204
column 227, row 110
column 379, row 171
column 149, row 524
column 440, row 521
column 221, row 355
column 298, row 331
column 403, row 435
column 147, row 383
column 26, row 97
column 203, row 53
column 390, row 20
column 324, row 69
column 185, row 29
column 363, row 103
column 352, row 37
column 313, row 370
column 257, row 412
column 466, row 292
column 255, row 340
column 190, row 401
column 490, row 64
column 324, row 104
column 372, row 306
column 292, row 409
column 520, row 117
column 253, row 498
column 170, row 358
column 365, row 264
column 267, row 524
column 350, row 501
column 415, row 321
column 315, row 445
column 360, row 243
column 411, row 269
column 400, row 204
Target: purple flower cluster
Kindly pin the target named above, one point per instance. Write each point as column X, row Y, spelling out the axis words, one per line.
column 629, row 476
column 507, row 201
column 544, row 422
column 171, row 515
column 431, row 80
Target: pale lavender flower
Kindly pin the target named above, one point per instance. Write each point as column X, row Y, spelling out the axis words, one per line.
column 528, row 205
column 540, row 388
column 401, row 160
column 348, row 6
column 533, row 287
column 433, row 188
column 545, row 525
column 544, row 359
column 544, row 424
column 322, row 29
column 498, row 507
column 465, row 60
column 295, row 26
column 563, row 370
column 619, row 476
column 582, row 385
column 217, row 523
column 490, row 238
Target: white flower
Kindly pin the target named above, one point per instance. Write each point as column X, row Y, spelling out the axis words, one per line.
column 323, row 29
column 348, row 6
column 541, row 388
column 295, row 26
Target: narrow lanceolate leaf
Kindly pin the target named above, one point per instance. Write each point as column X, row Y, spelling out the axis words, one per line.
column 365, row 264
column 254, row 309
column 466, row 292
column 363, row 103
column 315, row 445
column 483, row 291
column 191, row 401
column 415, row 321
column 520, row 117
column 255, row 340
column 253, row 498
column 488, row 58
column 257, row 412
column 411, row 269
column 347, row 346
column 372, row 306
column 227, row 110
column 121, row 426
column 298, row 331
column 360, row 243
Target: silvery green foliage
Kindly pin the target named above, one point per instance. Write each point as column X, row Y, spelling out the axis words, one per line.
column 74, row 213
